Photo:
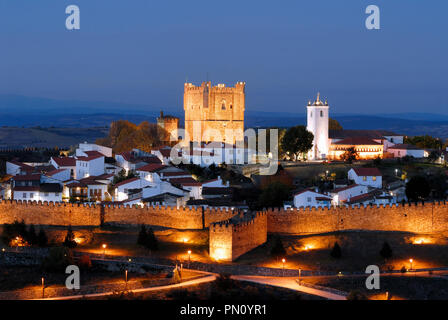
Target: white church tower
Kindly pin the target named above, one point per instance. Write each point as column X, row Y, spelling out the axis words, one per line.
column 317, row 124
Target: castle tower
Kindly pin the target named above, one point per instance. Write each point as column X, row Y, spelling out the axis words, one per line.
column 317, row 124
column 169, row 126
column 214, row 113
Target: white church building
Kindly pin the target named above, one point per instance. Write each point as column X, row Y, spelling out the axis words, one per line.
column 332, row 144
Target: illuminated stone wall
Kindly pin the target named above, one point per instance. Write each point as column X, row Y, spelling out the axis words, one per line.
column 85, row 215
column 232, row 238
column 418, row 218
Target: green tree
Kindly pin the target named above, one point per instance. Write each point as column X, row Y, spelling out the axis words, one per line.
column 350, row 155
column 57, row 259
column 356, row 295
column 417, row 188
column 297, row 141
column 278, row 251
column 32, row 236
column 273, row 195
column 336, row 252
column 425, row 142
column 42, row 240
column 386, row 251
column 152, row 243
column 142, row 236
column 69, row 240
column 334, row 125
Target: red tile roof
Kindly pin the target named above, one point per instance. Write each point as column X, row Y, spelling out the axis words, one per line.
column 176, row 174
column 27, row 177
column 94, row 153
column 21, row 165
column 186, row 182
column 405, row 147
column 127, row 181
column 26, row 188
column 344, row 188
column 367, row 172
column 357, row 141
column 53, row 172
column 65, row 161
column 152, row 167
column 89, row 158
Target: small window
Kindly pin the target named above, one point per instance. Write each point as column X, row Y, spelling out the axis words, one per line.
column 56, row 194
column 24, row 196
column 321, row 113
column 309, row 199
column 223, row 106
column 31, row 195
column 231, row 106
column 374, row 178
column 46, row 194
column 311, row 114
column 364, row 178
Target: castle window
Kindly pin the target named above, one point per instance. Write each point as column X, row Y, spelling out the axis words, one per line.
column 311, row 114
column 230, row 106
column 321, row 113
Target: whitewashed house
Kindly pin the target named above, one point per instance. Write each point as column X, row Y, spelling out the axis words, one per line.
column 124, row 188
column 193, row 186
column 92, row 165
column 344, row 194
column 84, row 148
column 15, row 167
column 65, row 163
column 371, row 177
column 57, row 175
column 310, row 198
column 403, row 150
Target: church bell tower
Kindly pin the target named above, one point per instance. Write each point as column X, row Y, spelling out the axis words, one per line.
column 317, row 124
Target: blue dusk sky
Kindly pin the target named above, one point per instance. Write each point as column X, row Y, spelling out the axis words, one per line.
column 141, row 52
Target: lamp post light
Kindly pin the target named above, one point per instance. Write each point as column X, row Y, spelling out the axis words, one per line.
column 396, row 172
column 126, row 279
column 43, row 287
column 189, row 258
column 283, row 261
column 411, row 261
column 104, row 249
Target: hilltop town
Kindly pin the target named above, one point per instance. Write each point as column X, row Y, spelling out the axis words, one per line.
column 205, row 184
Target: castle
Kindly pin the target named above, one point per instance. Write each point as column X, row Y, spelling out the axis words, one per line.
column 214, row 113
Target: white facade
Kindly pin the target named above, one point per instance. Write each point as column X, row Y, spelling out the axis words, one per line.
column 83, row 147
column 86, row 167
column 366, row 177
column 121, row 190
column 317, row 124
column 310, row 198
column 399, row 152
column 345, row 194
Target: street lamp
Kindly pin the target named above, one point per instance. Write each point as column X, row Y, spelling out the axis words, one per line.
column 189, row 258
column 104, row 249
column 411, row 261
column 283, row 261
column 43, row 287
column 126, row 279
column 396, row 172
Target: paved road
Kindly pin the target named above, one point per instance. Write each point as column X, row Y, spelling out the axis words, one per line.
column 205, row 279
column 289, row 283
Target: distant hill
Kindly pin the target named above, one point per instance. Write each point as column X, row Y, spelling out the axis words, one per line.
column 19, row 111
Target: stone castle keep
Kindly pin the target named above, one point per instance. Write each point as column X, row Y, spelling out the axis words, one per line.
column 214, row 113
column 232, row 234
